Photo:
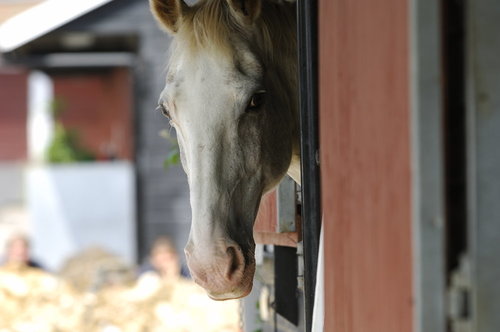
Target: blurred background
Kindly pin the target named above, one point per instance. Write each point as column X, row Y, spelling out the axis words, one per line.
column 84, row 187
column 81, row 151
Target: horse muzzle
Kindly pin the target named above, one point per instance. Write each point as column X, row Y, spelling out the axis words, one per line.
column 225, row 272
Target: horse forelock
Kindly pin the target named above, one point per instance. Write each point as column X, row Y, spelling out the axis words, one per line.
column 210, row 25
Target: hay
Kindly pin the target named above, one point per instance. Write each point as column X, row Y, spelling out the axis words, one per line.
column 95, row 268
column 33, row 300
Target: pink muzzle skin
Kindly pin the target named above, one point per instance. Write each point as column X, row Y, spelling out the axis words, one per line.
column 224, row 275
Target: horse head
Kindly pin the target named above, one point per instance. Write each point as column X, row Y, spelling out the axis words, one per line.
column 231, row 96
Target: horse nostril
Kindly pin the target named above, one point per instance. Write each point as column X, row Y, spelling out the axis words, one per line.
column 236, row 261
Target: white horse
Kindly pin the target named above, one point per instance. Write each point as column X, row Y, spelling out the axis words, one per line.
column 231, row 96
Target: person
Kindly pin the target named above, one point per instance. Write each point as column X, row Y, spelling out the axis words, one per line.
column 17, row 252
column 161, row 270
column 164, row 260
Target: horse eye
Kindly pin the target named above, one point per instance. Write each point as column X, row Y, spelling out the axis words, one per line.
column 164, row 110
column 256, row 101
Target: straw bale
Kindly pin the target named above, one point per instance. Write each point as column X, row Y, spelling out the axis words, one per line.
column 94, row 268
column 32, row 300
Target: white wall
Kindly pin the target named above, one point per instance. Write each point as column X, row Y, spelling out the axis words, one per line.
column 75, row 206
column 13, row 218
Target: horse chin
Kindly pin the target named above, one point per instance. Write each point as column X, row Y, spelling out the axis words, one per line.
column 236, row 293
column 240, row 289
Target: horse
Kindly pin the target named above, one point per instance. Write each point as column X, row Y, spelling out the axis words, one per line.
column 231, row 95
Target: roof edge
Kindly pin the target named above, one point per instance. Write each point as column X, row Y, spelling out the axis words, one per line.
column 42, row 19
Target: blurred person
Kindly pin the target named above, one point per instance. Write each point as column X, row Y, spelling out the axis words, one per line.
column 17, row 252
column 164, row 260
column 162, row 269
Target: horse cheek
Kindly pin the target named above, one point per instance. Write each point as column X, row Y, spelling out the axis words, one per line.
column 250, row 142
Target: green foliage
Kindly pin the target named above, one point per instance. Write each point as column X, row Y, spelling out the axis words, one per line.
column 64, row 147
column 57, row 107
column 173, row 156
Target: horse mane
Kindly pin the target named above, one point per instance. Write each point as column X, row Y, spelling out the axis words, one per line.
column 210, row 24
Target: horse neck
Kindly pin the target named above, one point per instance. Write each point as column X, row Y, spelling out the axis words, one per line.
column 294, row 168
column 284, row 59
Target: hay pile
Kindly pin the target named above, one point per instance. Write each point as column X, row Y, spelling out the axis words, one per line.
column 95, row 268
column 32, row 300
column 35, row 301
column 179, row 307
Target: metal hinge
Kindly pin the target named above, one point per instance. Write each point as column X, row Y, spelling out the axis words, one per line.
column 286, row 206
column 459, row 297
column 300, row 266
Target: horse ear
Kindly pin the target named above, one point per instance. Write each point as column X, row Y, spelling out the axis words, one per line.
column 168, row 13
column 247, row 10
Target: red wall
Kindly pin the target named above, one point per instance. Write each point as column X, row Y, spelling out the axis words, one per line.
column 264, row 230
column 99, row 106
column 365, row 164
column 13, row 114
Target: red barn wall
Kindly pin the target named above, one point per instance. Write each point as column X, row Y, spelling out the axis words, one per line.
column 264, row 230
column 99, row 106
column 13, row 114
column 365, row 165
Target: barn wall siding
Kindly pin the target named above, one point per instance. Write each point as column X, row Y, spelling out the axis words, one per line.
column 265, row 227
column 103, row 114
column 365, row 164
column 13, row 112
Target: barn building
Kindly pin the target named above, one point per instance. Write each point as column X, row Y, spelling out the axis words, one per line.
column 400, row 117
column 104, row 62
